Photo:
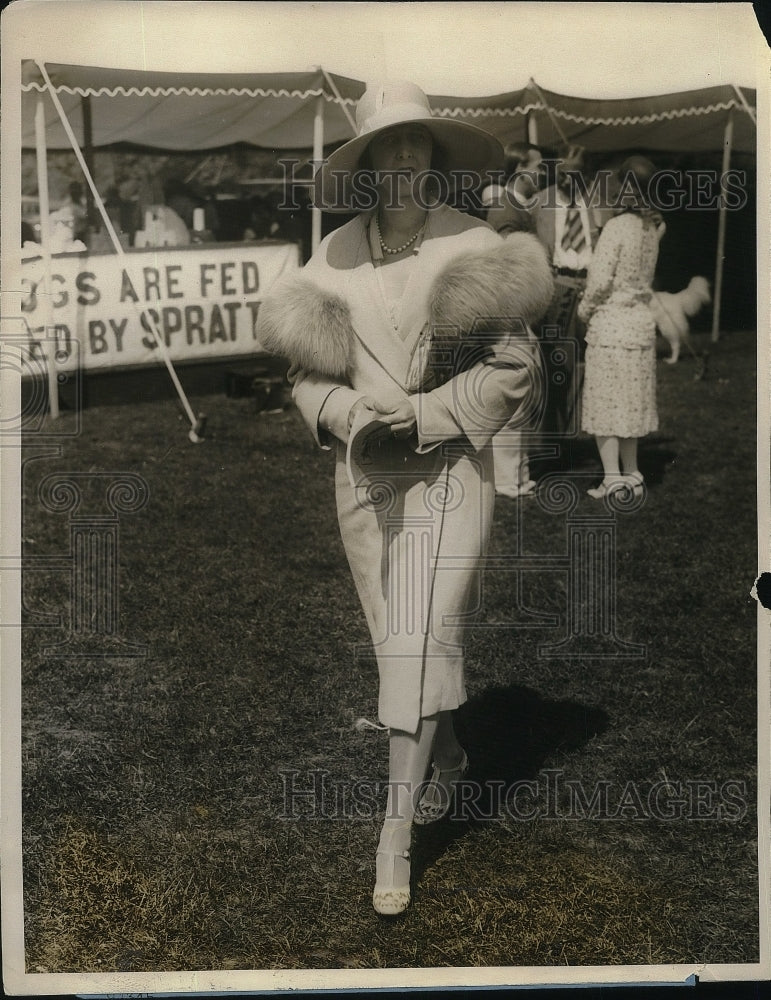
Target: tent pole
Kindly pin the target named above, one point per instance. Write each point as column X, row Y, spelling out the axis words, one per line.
column 531, row 129
column 197, row 169
column 744, row 104
column 339, row 100
column 720, row 258
column 318, row 155
column 88, row 156
column 196, row 423
column 49, row 337
column 549, row 112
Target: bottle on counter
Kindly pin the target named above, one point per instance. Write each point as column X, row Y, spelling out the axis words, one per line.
column 200, row 233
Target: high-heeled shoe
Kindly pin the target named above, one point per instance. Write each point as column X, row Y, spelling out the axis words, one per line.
column 437, row 798
column 605, row 489
column 391, row 895
column 517, row 492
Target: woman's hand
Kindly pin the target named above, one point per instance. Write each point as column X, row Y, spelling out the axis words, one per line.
column 401, row 418
column 365, row 403
column 399, row 414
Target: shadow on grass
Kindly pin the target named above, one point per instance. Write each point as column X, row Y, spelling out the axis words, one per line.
column 580, row 454
column 564, row 455
column 510, row 734
column 656, row 455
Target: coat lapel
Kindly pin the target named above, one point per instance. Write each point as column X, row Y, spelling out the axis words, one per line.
column 369, row 312
column 354, row 278
column 434, row 255
column 414, row 311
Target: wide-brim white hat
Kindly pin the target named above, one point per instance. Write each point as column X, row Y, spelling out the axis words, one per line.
column 457, row 145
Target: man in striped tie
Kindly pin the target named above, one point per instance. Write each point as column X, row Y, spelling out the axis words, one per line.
column 568, row 228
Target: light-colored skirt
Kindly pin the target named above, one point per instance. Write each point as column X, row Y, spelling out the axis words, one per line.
column 414, row 541
column 619, row 394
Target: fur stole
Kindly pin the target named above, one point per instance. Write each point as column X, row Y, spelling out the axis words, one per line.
column 312, row 328
column 480, row 289
column 308, row 326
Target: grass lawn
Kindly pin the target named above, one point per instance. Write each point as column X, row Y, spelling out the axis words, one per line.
column 158, row 835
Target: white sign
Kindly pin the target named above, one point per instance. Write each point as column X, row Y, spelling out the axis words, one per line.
column 203, row 302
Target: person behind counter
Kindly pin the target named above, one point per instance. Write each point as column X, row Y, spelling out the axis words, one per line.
column 124, row 211
column 75, row 205
column 354, row 326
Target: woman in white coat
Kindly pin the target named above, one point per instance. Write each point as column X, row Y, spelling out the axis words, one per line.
column 374, row 327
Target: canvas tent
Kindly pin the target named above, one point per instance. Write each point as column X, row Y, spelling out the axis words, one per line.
column 84, row 107
column 184, row 111
column 189, row 111
column 176, row 111
column 689, row 121
column 714, row 119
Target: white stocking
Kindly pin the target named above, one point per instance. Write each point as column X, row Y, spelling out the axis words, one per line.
column 608, row 448
column 409, row 756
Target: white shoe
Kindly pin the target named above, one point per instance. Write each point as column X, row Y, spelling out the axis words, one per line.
column 437, row 798
column 515, row 492
column 391, row 895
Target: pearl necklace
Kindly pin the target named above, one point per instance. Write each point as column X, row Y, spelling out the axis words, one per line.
column 391, row 250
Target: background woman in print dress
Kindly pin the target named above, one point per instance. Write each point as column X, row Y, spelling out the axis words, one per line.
column 619, row 393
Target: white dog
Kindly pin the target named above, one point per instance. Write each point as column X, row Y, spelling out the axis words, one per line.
column 671, row 312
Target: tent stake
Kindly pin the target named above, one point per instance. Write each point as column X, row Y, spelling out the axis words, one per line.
column 720, row 258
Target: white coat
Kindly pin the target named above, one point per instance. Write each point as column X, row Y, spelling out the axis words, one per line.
column 414, row 536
